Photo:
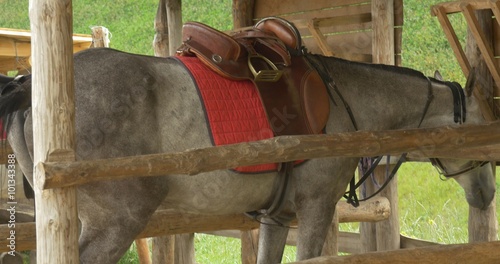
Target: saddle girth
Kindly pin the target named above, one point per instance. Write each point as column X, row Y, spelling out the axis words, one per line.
column 271, row 56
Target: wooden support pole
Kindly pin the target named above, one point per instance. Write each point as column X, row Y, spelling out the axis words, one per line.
column 456, row 46
column 387, row 231
column 174, row 20
column 483, row 41
column 427, row 142
column 160, row 42
column 477, row 253
column 384, row 235
column 243, row 13
column 163, row 249
column 482, row 224
column 53, row 127
column 320, row 39
column 143, row 251
column 100, row 37
column 249, row 246
column 383, row 31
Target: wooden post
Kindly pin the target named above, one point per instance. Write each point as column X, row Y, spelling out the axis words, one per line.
column 383, row 235
column 184, row 249
column 243, row 13
column 383, row 31
column 483, row 225
column 53, row 127
column 143, row 251
column 100, row 37
column 160, row 43
column 249, row 246
column 387, row 232
column 163, row 249
column 174, row 20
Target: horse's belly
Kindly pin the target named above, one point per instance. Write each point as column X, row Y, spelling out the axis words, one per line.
column 218, row 192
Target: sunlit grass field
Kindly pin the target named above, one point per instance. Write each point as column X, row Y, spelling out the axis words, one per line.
column 429, row 208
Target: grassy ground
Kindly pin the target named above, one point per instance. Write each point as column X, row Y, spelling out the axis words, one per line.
column 429, row 208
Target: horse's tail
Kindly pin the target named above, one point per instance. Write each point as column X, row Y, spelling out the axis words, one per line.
column 14, row 96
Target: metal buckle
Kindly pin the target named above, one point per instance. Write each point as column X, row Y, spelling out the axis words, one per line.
column 264, row 75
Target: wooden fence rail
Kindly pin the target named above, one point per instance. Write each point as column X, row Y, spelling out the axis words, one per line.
column 430, row 142
column 477, row 253
column 170, row 222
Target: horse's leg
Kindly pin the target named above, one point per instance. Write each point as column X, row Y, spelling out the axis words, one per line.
column 111, row 222
column 314, row 216
column 315, row 200
column 272, row 240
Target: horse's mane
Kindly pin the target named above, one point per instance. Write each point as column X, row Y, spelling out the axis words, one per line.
column 14, row 96
column 383, row 67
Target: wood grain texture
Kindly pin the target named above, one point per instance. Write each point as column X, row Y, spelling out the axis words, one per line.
column 53, row 127
column 171, row 223
column 477, row 253
column 442, row 142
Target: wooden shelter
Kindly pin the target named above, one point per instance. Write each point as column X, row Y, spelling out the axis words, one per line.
column 15, row 48
column 483, row 20
column 372, row 29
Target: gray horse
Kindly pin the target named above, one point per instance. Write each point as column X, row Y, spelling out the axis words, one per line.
column 134, row 105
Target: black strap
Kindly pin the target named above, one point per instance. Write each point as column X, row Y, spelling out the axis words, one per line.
column 281, row 191
column 351, row 195
column 324, row 73
column 459, row 110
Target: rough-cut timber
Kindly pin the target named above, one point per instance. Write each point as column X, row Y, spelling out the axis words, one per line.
column 160, row 42
column 174, row 20
column 431, row 142
column 243, row 13
column 477, row 253
column 53, row 127
column 171, row 223
column 482, row 224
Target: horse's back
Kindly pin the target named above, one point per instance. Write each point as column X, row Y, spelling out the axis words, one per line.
column 125, row 103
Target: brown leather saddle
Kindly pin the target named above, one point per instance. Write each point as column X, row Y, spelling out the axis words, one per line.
column 271, row 56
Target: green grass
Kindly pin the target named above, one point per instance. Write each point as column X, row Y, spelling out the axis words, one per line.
column 429, row 208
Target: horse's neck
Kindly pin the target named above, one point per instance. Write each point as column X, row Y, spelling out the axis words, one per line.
column 384, row 98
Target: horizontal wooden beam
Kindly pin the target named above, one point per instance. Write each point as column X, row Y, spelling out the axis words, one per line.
column 170, row 223
column 12, row 48
column 477, row 253
column 348, row 242
column 455, row 7
column 439, row 142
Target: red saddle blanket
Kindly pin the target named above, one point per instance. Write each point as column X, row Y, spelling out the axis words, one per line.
column 233, row 110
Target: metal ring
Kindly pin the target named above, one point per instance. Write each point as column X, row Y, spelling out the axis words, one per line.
column 216, row 58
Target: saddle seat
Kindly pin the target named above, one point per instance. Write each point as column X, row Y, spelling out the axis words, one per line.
column 270, row 55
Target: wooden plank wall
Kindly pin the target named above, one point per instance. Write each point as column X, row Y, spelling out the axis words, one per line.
column 496, row 51
column 348, row 33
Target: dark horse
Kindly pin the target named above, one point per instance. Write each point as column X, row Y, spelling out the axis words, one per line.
column 133, row 105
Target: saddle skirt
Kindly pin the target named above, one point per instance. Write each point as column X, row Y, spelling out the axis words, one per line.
column 233, row 110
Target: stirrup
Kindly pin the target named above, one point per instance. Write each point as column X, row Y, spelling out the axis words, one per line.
column 264, row 75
